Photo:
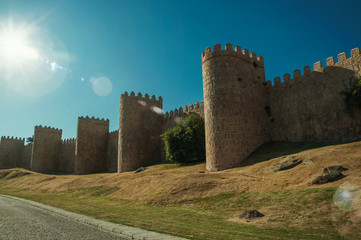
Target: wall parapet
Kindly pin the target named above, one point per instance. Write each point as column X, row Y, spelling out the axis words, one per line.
column 68, row 141
column 94, row 120
column 180, row 112
column 230, row 51
column 113, row 134
column 140, row 97
column 317, row 67
column 48, row 129
column 12, row 138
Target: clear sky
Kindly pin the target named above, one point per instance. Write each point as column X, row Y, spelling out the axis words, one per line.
column 64, row 59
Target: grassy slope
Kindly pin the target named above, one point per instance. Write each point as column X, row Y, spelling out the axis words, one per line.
column 181, row 201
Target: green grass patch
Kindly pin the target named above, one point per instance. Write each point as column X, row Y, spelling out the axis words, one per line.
column 206, row 218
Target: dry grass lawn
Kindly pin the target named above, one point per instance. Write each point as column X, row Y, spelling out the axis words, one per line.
column 285, row 197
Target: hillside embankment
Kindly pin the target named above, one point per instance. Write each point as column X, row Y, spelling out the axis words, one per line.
column 189, row 200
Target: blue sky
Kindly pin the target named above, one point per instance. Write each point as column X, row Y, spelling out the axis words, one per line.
column 151, row 47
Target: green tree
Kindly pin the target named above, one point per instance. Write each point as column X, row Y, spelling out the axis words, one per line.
column 185, row 142
column 30, row 139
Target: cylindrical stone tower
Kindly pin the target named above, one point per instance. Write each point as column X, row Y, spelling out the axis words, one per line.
column 235, row 101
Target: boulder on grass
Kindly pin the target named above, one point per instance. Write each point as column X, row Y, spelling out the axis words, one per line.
column 249, row 214
column 329, row 177
column 141, row 169
column 291, row 163
column 334, row 168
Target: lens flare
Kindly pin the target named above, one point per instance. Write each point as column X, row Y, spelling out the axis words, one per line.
column 157, row 110
column 346, row 212
column 15, row 47
column 142, row 103
column 102, row 86
column 29, row 58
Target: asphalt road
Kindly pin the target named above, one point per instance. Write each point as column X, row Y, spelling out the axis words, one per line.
column 19, row 220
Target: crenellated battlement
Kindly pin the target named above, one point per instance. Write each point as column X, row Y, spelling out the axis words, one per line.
column 143, row 100
column 317, row 67
column 68, row 141
column 230, row 51
column 4, row 138
column 113, row 134
column 48, row 129
column 94, row 120
column 180, row 112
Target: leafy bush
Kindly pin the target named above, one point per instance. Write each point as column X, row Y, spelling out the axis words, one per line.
column 185, row 142
column 352, row 98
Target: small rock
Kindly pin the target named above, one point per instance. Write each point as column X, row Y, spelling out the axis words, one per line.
column 248, row 214
column 333, row 168
column 141, row 169
column 329, row 177
column 308, row 162
column 291, row 163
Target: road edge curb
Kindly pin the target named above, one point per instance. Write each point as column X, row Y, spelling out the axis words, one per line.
column 131, row 233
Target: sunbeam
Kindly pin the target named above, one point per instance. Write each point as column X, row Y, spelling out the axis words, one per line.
column 30, row 57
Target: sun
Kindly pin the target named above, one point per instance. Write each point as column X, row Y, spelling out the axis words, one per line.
column 33, row 60
column 15, row 47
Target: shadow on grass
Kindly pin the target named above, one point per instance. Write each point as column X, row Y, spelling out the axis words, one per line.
column 278, row 149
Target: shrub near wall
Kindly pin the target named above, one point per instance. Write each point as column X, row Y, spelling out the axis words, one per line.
column 185, row 142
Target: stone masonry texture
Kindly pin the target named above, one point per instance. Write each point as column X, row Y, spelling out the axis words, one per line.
column 67, row 156
column 235, row 120
column 46, row 148
column 310, row 108
column 26, row 156
column 112, row 152
column 91, row 145
column 10, row 152
column 140, row 127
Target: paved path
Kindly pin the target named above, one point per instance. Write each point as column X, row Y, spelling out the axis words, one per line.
column 24, row 219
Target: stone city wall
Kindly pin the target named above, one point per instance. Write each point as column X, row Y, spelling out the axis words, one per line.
column 46, row 149
column 310, row 108
column 67, row 156
column 241, row 110
column 26, row 156
column 10, row 152
column 112, row 151
column 91, row 145
column 140, row 127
